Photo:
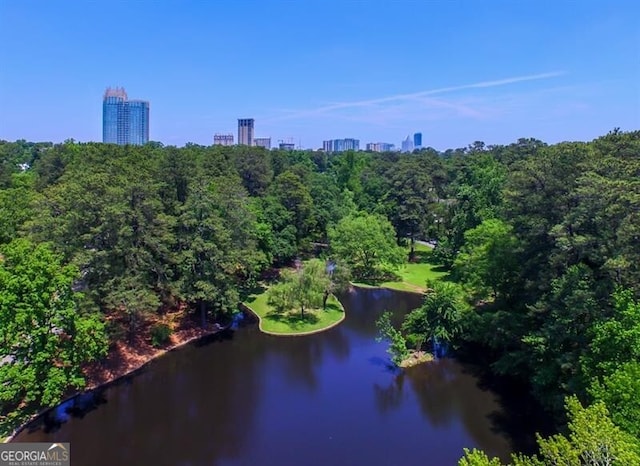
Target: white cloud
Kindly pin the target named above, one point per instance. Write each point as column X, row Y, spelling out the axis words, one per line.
column 386, row 106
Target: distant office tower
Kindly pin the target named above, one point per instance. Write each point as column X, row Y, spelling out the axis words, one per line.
column 417, row 140
column 379, row 147
column 287, row 146
column 124, row 121
column 245, row 131
column 222, row 139
column 262, row 142
column 407, row 145
column 340, row 145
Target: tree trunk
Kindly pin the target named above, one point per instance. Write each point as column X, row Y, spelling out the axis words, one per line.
column 132, row 326
column 325, row 297
column 412, row 253
column 302, row 310
column 203, row 314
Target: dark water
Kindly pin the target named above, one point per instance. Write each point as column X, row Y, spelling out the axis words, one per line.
column 251, row 399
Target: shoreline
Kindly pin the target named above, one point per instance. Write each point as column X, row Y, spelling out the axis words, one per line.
column 115, row 377
column 364, row 286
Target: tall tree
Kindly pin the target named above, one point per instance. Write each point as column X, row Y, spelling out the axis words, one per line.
column 366, row 243
column 488, row 260
column 207, row 258
column 410, row 199
column 46, row 337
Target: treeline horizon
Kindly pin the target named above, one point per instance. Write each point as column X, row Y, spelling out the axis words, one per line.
column 543, row 238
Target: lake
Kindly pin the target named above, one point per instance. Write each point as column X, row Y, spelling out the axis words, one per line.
column 246, row 398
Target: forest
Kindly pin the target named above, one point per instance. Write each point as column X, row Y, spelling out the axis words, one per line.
column 541, row 240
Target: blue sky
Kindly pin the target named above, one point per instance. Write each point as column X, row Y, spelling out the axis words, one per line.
column 458, row 71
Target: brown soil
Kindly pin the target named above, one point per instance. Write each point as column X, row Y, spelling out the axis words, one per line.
column 415, row 358
column 128, row 354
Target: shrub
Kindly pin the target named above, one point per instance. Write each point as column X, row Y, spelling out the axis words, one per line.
column 160, row 334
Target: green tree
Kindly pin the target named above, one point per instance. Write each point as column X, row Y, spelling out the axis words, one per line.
column 254, row 167
column 411, row 198
column 593, row 440
column 46, row 337
column 488, row 260
column 339, row 280
column 475, row 195
column 16, row 205
column 302, row 288
column 441, row 316
column 366, row 243
column 620, row 391
column 615, row 340
column 207, row 258
column 558, row 336
column 397, row 343
column 290, row 191
column 476, row 457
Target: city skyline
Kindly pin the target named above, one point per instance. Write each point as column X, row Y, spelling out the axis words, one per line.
column 495, row 77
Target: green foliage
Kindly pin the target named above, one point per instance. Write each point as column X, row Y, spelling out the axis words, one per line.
column 556, row 344
column 291, row 322
column 476, row 457
column 616, row 340
column 593, row 440
column 46, row 338
column 160, row 334
column 207, row 258
column 290, row 192
column 477, row 195
column 366, row 244
column 303, row 288
column 488, row 260
column 549, row 231
column 16, row 205
column 440, row 317
column 620, row 392
column 410, row 198
column 397, row 343
column 611, row 361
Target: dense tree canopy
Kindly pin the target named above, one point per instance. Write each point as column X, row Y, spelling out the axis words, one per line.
column 544, row 238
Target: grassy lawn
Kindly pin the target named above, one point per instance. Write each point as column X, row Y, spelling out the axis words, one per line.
column 291, row 322
column 413, row 276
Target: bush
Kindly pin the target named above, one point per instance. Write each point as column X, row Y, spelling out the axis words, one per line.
column 160, row 334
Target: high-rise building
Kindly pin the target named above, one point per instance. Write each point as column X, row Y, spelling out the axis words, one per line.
column 262, row 142
column 340, row 145
column 407, row 144
column 245, row 131
column 379, row 147
column 124, row 121
column 138, row 113
column 223, row 139
column 417, row 140
column 287, row 146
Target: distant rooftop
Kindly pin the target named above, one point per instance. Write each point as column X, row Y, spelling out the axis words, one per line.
column 115, row 92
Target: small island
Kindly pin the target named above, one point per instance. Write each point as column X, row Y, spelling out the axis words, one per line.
column 292, row 323
column 302, row 302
